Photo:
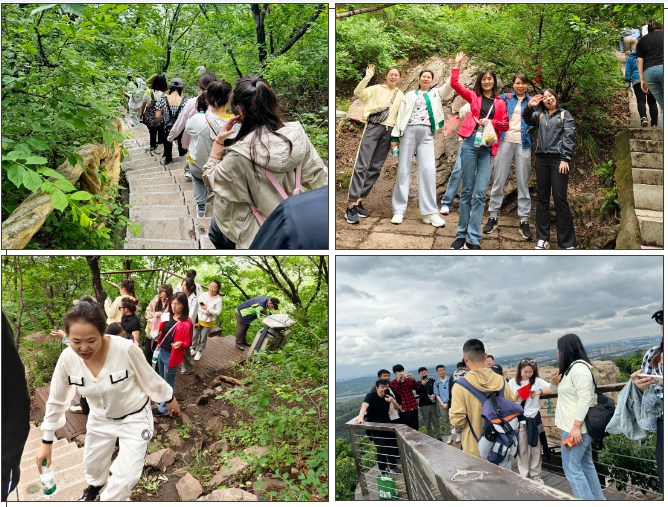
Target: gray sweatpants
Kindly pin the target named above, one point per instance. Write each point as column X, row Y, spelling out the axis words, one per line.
column 371, row 155
column 200, row 191
column 504, row 157
column 419, row 140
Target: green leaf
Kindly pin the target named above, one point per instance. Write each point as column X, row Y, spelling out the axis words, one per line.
column 76, row 9
column 14, row 155
column 47, row 172
column 15, row 174
column 79, row 123
column 108, row 124
column 81, row 195
column 72, row 159
column 36, row 160
column 38, row 143
column 58, row 200
column 42, row 8
column 48, row 187
column 85, row 221
column 32, row 181
column 64, row 185
column 44, row 127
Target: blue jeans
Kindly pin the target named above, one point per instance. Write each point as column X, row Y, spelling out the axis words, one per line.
column 169, row 374
column 453, row 182
column 580, row 471
column 654, row 79
column 476, row 172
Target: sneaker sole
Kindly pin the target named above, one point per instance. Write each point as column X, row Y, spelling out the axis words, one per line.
column 490, row 232
column 363, row 216
column 525, row 237
column 351, row 222
column 644, row 124
column 428, row 222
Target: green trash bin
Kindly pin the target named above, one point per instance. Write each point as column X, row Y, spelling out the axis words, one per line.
column 387, row 488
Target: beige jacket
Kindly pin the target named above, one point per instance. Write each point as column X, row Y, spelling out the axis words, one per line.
column 237, row 184
column 113, row 310
column 377, row 97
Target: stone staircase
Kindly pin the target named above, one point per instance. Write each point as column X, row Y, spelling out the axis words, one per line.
column 162, row 199
column 67, row 463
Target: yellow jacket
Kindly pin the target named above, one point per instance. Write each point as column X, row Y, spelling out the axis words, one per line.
column 464, row 403
column 377, row 97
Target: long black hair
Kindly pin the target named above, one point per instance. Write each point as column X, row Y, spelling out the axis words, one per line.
column 183, row 299
column 570, row 350
column 85, row 312
column 477, row 87
column 203, row 84
column 254, row 98
column 159, row 83
column 541, row 106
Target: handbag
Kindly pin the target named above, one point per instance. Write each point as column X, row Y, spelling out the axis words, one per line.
column 381, row 114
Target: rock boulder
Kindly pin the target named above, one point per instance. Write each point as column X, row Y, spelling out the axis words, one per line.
column 161, row 459
column 188, row 488
column 229, row 495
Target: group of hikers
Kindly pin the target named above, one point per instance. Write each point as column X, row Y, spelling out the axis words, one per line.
column 240, row 154
column 118, row 381
column 495, row 132
column 499, row 419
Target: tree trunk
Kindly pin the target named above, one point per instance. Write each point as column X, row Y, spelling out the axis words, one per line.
column 347, row 14
column 282, row 282
column 18, row 325
column 128, row 266
column 299, row 33
column 93, row 264
column 259, row 12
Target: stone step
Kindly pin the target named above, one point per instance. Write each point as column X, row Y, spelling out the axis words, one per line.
column 186, row 186
column 643, row 247
column 650, row 134
column 157, row 199
column 182, row 229
column 209, row 209
column 181, row 211
column 134, row 165
column 205, row 243
column 152, row 179
column 61, row 459
column 135, row 243
column 70, row 481
column 651, row 227
column 648, row 176
column 29, row 452
column 645, row 146
column 144, row 187
column 649, row 160
column 149, row 172
column 648, row 197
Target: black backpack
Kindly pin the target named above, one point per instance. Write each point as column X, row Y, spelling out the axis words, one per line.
column 599, row 415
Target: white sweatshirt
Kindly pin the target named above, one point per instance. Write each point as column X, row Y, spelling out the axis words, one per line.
column 121, row 388
column 215, row 305
column 576, row 396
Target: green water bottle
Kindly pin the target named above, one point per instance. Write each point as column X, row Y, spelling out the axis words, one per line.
column 48, row 478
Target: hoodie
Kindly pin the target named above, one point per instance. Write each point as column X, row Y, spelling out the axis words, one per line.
column 237, row 184
column 631, row 74
column 464, row 405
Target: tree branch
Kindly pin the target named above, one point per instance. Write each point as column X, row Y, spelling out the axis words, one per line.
column 300, row 32
column 42, row 54
column 340, row 15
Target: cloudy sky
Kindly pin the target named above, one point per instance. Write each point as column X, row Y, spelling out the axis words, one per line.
column 404, row 309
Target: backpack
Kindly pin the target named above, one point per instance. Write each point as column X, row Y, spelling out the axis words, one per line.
column 499, row 441
column 171, row 120
column 599, row 415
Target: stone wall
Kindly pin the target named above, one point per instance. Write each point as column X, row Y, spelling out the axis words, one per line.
column 28, row 218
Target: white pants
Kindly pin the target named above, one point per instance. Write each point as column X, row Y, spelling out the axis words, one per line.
column 504, row 158
column 134, row 434
column 528, row 458
column 134, row 116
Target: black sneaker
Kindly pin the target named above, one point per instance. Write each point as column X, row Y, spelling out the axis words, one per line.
column 471, row 246
column 490, row 226
column 156, row 412
column 90, row 494
column 395, row 470
column 644, row 122
column 352, row 217
column 361, row 212
column 458, row 244
column 525, row 231
column 240, row 347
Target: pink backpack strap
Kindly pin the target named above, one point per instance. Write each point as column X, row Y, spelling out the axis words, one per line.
column 258, row 217
column 298, row 180
column 270, row 176
column 276, row 184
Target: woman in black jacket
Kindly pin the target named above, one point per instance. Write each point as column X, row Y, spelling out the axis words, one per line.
column 554, row 152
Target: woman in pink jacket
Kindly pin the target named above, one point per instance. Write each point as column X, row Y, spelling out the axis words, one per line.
column 476, row 160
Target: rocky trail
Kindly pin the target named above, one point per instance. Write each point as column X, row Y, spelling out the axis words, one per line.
column 162, row 199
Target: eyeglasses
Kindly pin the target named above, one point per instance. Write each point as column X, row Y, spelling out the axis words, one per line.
column 658, row 316
column 528, row 362
column 164, row 299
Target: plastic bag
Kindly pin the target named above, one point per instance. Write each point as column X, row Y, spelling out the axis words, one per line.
column 488, row 135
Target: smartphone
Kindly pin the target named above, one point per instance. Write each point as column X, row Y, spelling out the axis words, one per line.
column 657, row 378
column 201, row 304
column 568, row 443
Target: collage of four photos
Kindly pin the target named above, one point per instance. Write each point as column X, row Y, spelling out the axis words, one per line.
column 134, row 369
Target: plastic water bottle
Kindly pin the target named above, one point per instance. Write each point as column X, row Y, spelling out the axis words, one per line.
column 395, row 152
column 48, row 478
column 478, row 137
column 155, row 355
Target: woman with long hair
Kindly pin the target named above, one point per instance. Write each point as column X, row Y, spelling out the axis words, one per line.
column 420, row 117
column 268, row 161
column 158, row 307
column 486, row 108
column 203, row 128
column 381, row 105
column 574, row 382
column 174, row 337
column 168, row 111
column 148, row 110
column 555, row 143
column 189, row 289
column 528, row 456
column 127, row 290
column 119, row 386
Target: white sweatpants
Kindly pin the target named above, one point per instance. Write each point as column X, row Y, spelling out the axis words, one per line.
column 134, row 434
column 134, row 116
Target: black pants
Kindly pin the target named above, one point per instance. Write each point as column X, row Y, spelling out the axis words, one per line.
column 387, row 449
column 148, row 350
column 549, row 179
column 371, row 156
column 641, row 96
column 219, row 240
column 410, row 419
column 168, row 148
column 156, row 135
column 659, row 449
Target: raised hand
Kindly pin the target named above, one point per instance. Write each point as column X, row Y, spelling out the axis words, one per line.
column 370, row 70
column 460, row 57
column 535, row 100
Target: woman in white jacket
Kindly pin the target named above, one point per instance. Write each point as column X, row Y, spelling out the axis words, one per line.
column 420, row 116
column 203, row 128
column 210, row 306
column 112, row 374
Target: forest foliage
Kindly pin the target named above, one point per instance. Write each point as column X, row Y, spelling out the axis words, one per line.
column 65, row 66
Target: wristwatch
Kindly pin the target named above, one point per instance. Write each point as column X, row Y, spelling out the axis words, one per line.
column 541, row 392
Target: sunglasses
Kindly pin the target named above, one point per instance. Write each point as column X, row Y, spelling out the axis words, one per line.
column 164, row 299
column 658, row 316
column 528, row 362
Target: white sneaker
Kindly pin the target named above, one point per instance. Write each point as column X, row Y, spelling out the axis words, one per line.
column 397, row 219
column 459, row 438
column 188, row 175
column 198, row 356
column 200, row 213
column 538, row 480
column 449, row 439
column 192, row 351
column 434, row 220
column 542, row 245
column 570, row 248
column 445, row 210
